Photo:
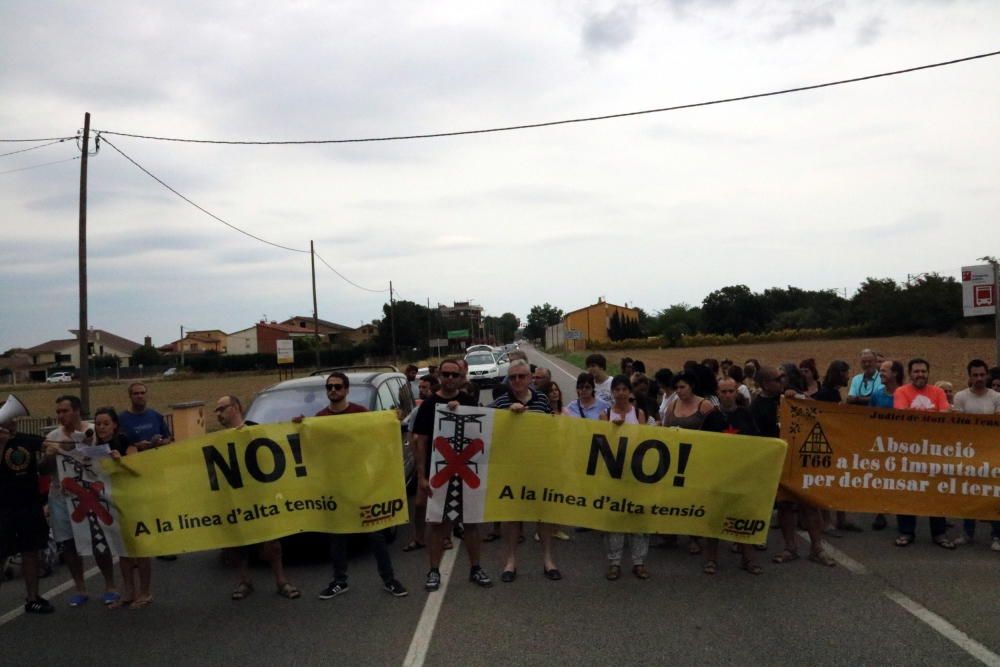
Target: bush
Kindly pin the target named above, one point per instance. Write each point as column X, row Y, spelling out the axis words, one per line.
column 716, row 340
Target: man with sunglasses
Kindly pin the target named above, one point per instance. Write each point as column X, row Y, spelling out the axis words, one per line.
column 337, row 387
column 451, row 376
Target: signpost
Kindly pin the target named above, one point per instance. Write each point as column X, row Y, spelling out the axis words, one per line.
column 573, row 334
column 980, row 293
column 458, row 333
column 438, row 343
column 286, row 352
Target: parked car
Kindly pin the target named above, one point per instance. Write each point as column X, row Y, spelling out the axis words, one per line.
column 376, row 388
column 486, row 368
column 59, row 377
column 478, row 348
column 170, row 372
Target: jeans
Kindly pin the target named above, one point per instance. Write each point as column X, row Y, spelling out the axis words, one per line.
column 338, row 549
column 970, row 528
column 908, row 525
column 615, row 544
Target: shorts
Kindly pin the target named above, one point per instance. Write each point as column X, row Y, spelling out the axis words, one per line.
column 62, row 528
column 22, row 529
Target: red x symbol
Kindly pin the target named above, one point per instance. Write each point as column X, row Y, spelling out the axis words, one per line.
column 457, row 462
column 88, row 500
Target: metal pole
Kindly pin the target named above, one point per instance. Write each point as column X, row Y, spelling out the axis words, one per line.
column 996, row 306
column 312, row 263
column 428, row 326
column 84, row 342
column 392, row 323
column 180, row 344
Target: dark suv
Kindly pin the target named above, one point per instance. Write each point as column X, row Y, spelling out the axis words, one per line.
column 374, row 387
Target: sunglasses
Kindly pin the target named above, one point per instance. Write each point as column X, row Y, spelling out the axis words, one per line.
column 518, row 376
column 331, row 387
column 448, row 374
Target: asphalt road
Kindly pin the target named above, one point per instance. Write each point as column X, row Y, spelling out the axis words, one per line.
column 882, row 605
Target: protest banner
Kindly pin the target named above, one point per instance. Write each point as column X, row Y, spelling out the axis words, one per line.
column 493, row 465
column 86, row 491
column 862, row 459
column 258, row 483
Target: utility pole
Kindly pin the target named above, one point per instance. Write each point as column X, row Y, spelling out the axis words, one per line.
column 392, row 323
column 84, row 342
column 996, row 302
column 428, row 326
column 312, row 263
column 180, row 344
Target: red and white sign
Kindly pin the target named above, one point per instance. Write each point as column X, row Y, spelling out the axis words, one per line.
column 978, row 290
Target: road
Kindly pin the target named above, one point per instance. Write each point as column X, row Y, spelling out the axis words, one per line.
column 882, row 605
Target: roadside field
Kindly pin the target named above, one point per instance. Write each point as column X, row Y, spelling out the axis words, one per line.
column 40, row 399
column 947, row 355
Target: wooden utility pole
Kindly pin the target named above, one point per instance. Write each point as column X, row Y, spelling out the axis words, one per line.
column 428, row 326
column 312, row 263
column 84, row 338
column 392, row 323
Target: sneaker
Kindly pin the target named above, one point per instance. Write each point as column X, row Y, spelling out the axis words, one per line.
column 560, row 535
column 961, row 539
column 996, row 544
column 334, row 589
column 433, row 581
column 478, row 576
column 38, row 606
column 395, row 589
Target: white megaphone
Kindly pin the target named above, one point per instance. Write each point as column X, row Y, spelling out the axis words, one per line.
column 12, row 409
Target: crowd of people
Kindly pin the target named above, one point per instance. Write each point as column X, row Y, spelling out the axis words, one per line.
column 708, row 395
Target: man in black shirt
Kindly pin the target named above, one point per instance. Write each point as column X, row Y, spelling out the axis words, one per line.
column 451, row 376
column 22, row 520
column 730, row 417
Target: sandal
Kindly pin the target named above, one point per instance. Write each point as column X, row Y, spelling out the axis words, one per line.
column 694, row 548
column 118, row 604
column 640, row 571
column 242, row 590
column 710, row 567
column 751, row 567
column 447, row 545
column 904, row 540
column 141, row 603
column 414, row 546
column 286, row 590
column 786, row 556
column 491, row 537
column 614, row 571
column 822, row 558
column 944, row 543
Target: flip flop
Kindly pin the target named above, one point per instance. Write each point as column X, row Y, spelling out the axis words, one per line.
column 78, row 600
column 414, row 546
column 287, row 590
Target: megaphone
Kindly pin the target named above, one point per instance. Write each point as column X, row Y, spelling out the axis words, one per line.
column 12, row 409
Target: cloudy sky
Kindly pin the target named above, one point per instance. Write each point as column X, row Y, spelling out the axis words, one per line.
column 820, row 189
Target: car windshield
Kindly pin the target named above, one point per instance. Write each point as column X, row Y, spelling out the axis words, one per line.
column 282, row 405
column 480, row 359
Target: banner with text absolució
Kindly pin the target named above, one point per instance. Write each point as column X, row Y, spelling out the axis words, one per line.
column 862, row 459
column 493, row 465
column 328, row 474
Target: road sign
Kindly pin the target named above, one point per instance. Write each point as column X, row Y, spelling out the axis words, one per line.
column 438, row 342
column 573, row 334
column 978, row 290
column 286, row 352
column 458, row 333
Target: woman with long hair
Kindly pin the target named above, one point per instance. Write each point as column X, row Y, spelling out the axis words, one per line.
column 809, row 371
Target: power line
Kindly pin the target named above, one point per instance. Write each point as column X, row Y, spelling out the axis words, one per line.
column 33, row 148
column 203, row 210
column 18, row 141
column 38, row 166
column 348, row 280
column 587, row 119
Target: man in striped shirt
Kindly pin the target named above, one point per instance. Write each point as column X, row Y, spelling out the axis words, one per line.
column 521, row 397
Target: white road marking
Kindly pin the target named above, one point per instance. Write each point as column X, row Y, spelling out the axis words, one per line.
column 421, row 641
column 555, row 364
column 58, row 590
column 943, row 627
column 848, row 563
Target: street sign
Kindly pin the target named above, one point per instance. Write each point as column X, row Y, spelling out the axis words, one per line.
column 439, row 342
column 573, row 334
column 458, row 333
column 286, row 352
column 978, row 290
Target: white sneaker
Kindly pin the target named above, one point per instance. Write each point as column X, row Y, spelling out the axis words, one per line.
column 961, row 539
column 996, row 544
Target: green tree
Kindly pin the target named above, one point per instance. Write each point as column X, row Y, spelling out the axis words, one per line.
column 879, row 306
column 734, row 310
column 411, row 329
column 935, row 303
column 540, row 317
column 615, row 327
column 147, row 355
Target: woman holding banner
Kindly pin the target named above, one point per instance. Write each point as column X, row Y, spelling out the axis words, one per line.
column 106, row 428
column 622, row 411
column 586, row 405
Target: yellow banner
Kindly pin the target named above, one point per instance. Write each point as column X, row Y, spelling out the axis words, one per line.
column 862, row 459
column 628, row 478
column 328, row 474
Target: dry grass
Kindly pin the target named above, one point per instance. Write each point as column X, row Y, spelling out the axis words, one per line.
column 947, row 355
column 40, row 399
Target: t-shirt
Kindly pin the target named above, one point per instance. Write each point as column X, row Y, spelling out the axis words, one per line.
column 350, row 409
column 142, row 426
column 423, row 423
column 602, row 390
column 574, row 409
column 739, row 421
column 119, row 444
column 986, row 404
column 827, row 394
column 538, row 402
column 930, row 398
column 71, row 441
column 764, row 410
column 19, row 470
column 862, row 387
column 881, row 399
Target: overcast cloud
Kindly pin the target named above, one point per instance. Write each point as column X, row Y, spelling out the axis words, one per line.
column 820, row 190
